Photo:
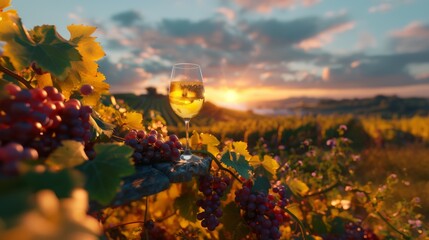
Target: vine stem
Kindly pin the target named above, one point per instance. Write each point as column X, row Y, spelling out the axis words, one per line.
column 405, row 236
column 383, row 218
column 324, row 190
column 124, row 224
column 218, row 163
column 301, row 225
column 16, row 76
column 145, row 216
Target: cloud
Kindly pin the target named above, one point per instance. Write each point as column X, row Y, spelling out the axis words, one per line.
column 325, row 37
column 274, row 33
column 240, row 52
column 227, row 13
column 383, row 7
column 127, row 18
column 412, row 38
column 267, row 6
column 124, row 77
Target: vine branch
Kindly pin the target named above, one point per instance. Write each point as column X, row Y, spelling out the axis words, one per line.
column 16, row 76
column 324, row 190
column 301, row 225
column 405, row 236
column 123, row 224
column 218, row 163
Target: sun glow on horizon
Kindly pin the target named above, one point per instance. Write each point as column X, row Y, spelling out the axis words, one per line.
column 231, row 96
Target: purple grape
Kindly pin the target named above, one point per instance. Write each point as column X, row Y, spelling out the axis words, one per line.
column 86, row 89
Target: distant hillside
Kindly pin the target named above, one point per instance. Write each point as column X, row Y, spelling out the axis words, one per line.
column 386, row 106
column 209, row 113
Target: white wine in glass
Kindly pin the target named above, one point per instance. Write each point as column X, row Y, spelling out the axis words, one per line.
column 186, row 96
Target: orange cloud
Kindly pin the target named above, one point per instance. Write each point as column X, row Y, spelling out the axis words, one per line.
column 325, row 37
column 227, row 12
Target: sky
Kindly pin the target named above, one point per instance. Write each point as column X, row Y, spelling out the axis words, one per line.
column 254, row 50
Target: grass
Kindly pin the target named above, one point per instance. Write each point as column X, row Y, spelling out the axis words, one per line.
column 410, row 163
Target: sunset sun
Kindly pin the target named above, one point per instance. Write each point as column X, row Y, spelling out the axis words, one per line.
column 230, row 96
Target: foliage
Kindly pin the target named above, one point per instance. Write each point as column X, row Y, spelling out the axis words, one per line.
column 302, row 170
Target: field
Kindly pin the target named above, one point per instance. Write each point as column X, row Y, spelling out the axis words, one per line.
column 79, row 163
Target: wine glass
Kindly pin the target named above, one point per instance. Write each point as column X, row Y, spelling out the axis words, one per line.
column 186, row 96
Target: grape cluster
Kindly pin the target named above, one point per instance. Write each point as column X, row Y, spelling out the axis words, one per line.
column 40, row 119
column 11, row 154
column 260, row 212
column 213, row 188
column 150, row 148
column 285, row 194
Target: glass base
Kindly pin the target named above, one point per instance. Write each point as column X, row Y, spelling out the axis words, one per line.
column 189, row 157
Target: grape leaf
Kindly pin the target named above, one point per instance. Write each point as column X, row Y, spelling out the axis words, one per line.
column 262, row 184
column 211, row 142
column 239, row 164
column 101, row 127
column 4, row 4
column 85, row 71
column 270, row 164
column 133, row 120
column 255, row 161
column 70, row 154
column 194, row 140
column 11, row 26
column 233, row 222
column 295, row 210
column 44, row 80
column 298, row 187
column 62, row 182
column 186, row 203
column 241, row 148
column 318, row 224
column 46, row 48
column 104, row 173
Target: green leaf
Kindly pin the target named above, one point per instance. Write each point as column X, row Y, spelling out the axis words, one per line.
column 298, row 187
column 318, row 224
column 104, row 173
column 14, row 203
column 46, row 48
column 187, row 206
column 233, row 223
column 14, row 194
column 262, row 184
column 62, row 182
column 69, row 154
column 240, row 165
column 101, row 127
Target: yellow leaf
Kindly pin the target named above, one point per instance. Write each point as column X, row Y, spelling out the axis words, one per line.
column 4, row 4
column 241, row 148
column 90, row 49
column 9, row 25
column 80, row 31
column 194, row 140
column 209, row 139
column 298, row 187
column 295, row 210
column 133, row 120
column 270, row 164
column 211, row 142
column 255, row 161
column 44, row 80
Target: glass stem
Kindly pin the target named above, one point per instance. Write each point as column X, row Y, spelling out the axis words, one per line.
column 187, row 150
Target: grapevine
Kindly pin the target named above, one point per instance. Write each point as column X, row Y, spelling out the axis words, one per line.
column 62, row 142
